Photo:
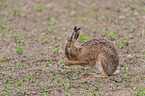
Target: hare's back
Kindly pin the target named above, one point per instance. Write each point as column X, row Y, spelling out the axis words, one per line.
column 96, row 45
column 98, row 42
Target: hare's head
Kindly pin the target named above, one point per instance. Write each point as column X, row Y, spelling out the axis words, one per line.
column 71, row 48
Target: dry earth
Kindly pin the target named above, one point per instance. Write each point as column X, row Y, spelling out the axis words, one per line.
column 33, row 36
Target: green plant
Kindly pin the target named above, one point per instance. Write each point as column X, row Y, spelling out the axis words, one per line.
column 104, row 32
column 125, row 41
column 19, row 49
column 83, row 38
column 111, row 17
column 44, row 94
column 116, row 9
column 1, row 13
column 113, row 36
column 45, row 59
column 40, row 7
column 143, row 9
column 8, row 28
column 16, row 1
column 136, row 78
column 49, row 26
column 92, row 71
column 127, row 69
column 94, row 94
column 15, row 11
column 48, row 64
column 18, row 82
column 140, row 92
column 3, row 4
column 66, row 13
column 56, row 49
column 133, row 55
column 4, row 28
column 131, row 36
column 30, row 77
column 68, row 92
column 87, row 87
column 43, row 38
column 135, row 13
column 61, row 63
column 117, row 80
column 97, row 87
column 12, row 13
column 132, row 6
column 74, row 7
column 82, row 19
column 132, row 29
column 127, row 85
column 86, row 93
column 7, row 56
column 2, row 25
column 56, row 39
column 18, row 39
column 92, row 12
column 102, row 18
column 24, row 92
column 6, row 81
column 5, row 94
column 2, row 64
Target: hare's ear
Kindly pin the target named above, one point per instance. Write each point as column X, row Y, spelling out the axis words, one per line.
column 75, row 28
column 74, row 34
column 71, row 35
column 77, row 32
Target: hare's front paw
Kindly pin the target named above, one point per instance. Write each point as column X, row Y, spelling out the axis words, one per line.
column 85, row 75
column 67, row 63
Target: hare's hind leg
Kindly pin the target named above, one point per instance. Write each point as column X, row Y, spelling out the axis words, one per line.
column 91, row 75
column 100, row 71
column 97, row 75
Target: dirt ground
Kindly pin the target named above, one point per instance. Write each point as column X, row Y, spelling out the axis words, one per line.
column 33, row 36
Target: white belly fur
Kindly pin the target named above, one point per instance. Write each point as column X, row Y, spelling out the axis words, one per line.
column 98, row 67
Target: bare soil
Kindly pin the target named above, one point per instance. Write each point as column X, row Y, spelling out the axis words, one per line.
column 33, row 36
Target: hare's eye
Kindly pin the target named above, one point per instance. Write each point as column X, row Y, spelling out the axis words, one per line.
column 72, row 51
column 79, row 49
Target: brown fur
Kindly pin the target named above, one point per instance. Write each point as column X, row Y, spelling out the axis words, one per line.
column 92, row 52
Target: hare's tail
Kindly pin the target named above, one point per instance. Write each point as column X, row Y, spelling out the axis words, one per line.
column 116, row 72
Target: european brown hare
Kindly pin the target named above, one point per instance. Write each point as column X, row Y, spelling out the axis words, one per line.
column 100, row 54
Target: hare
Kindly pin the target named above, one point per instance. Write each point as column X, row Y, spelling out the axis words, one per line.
column 100, row 54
